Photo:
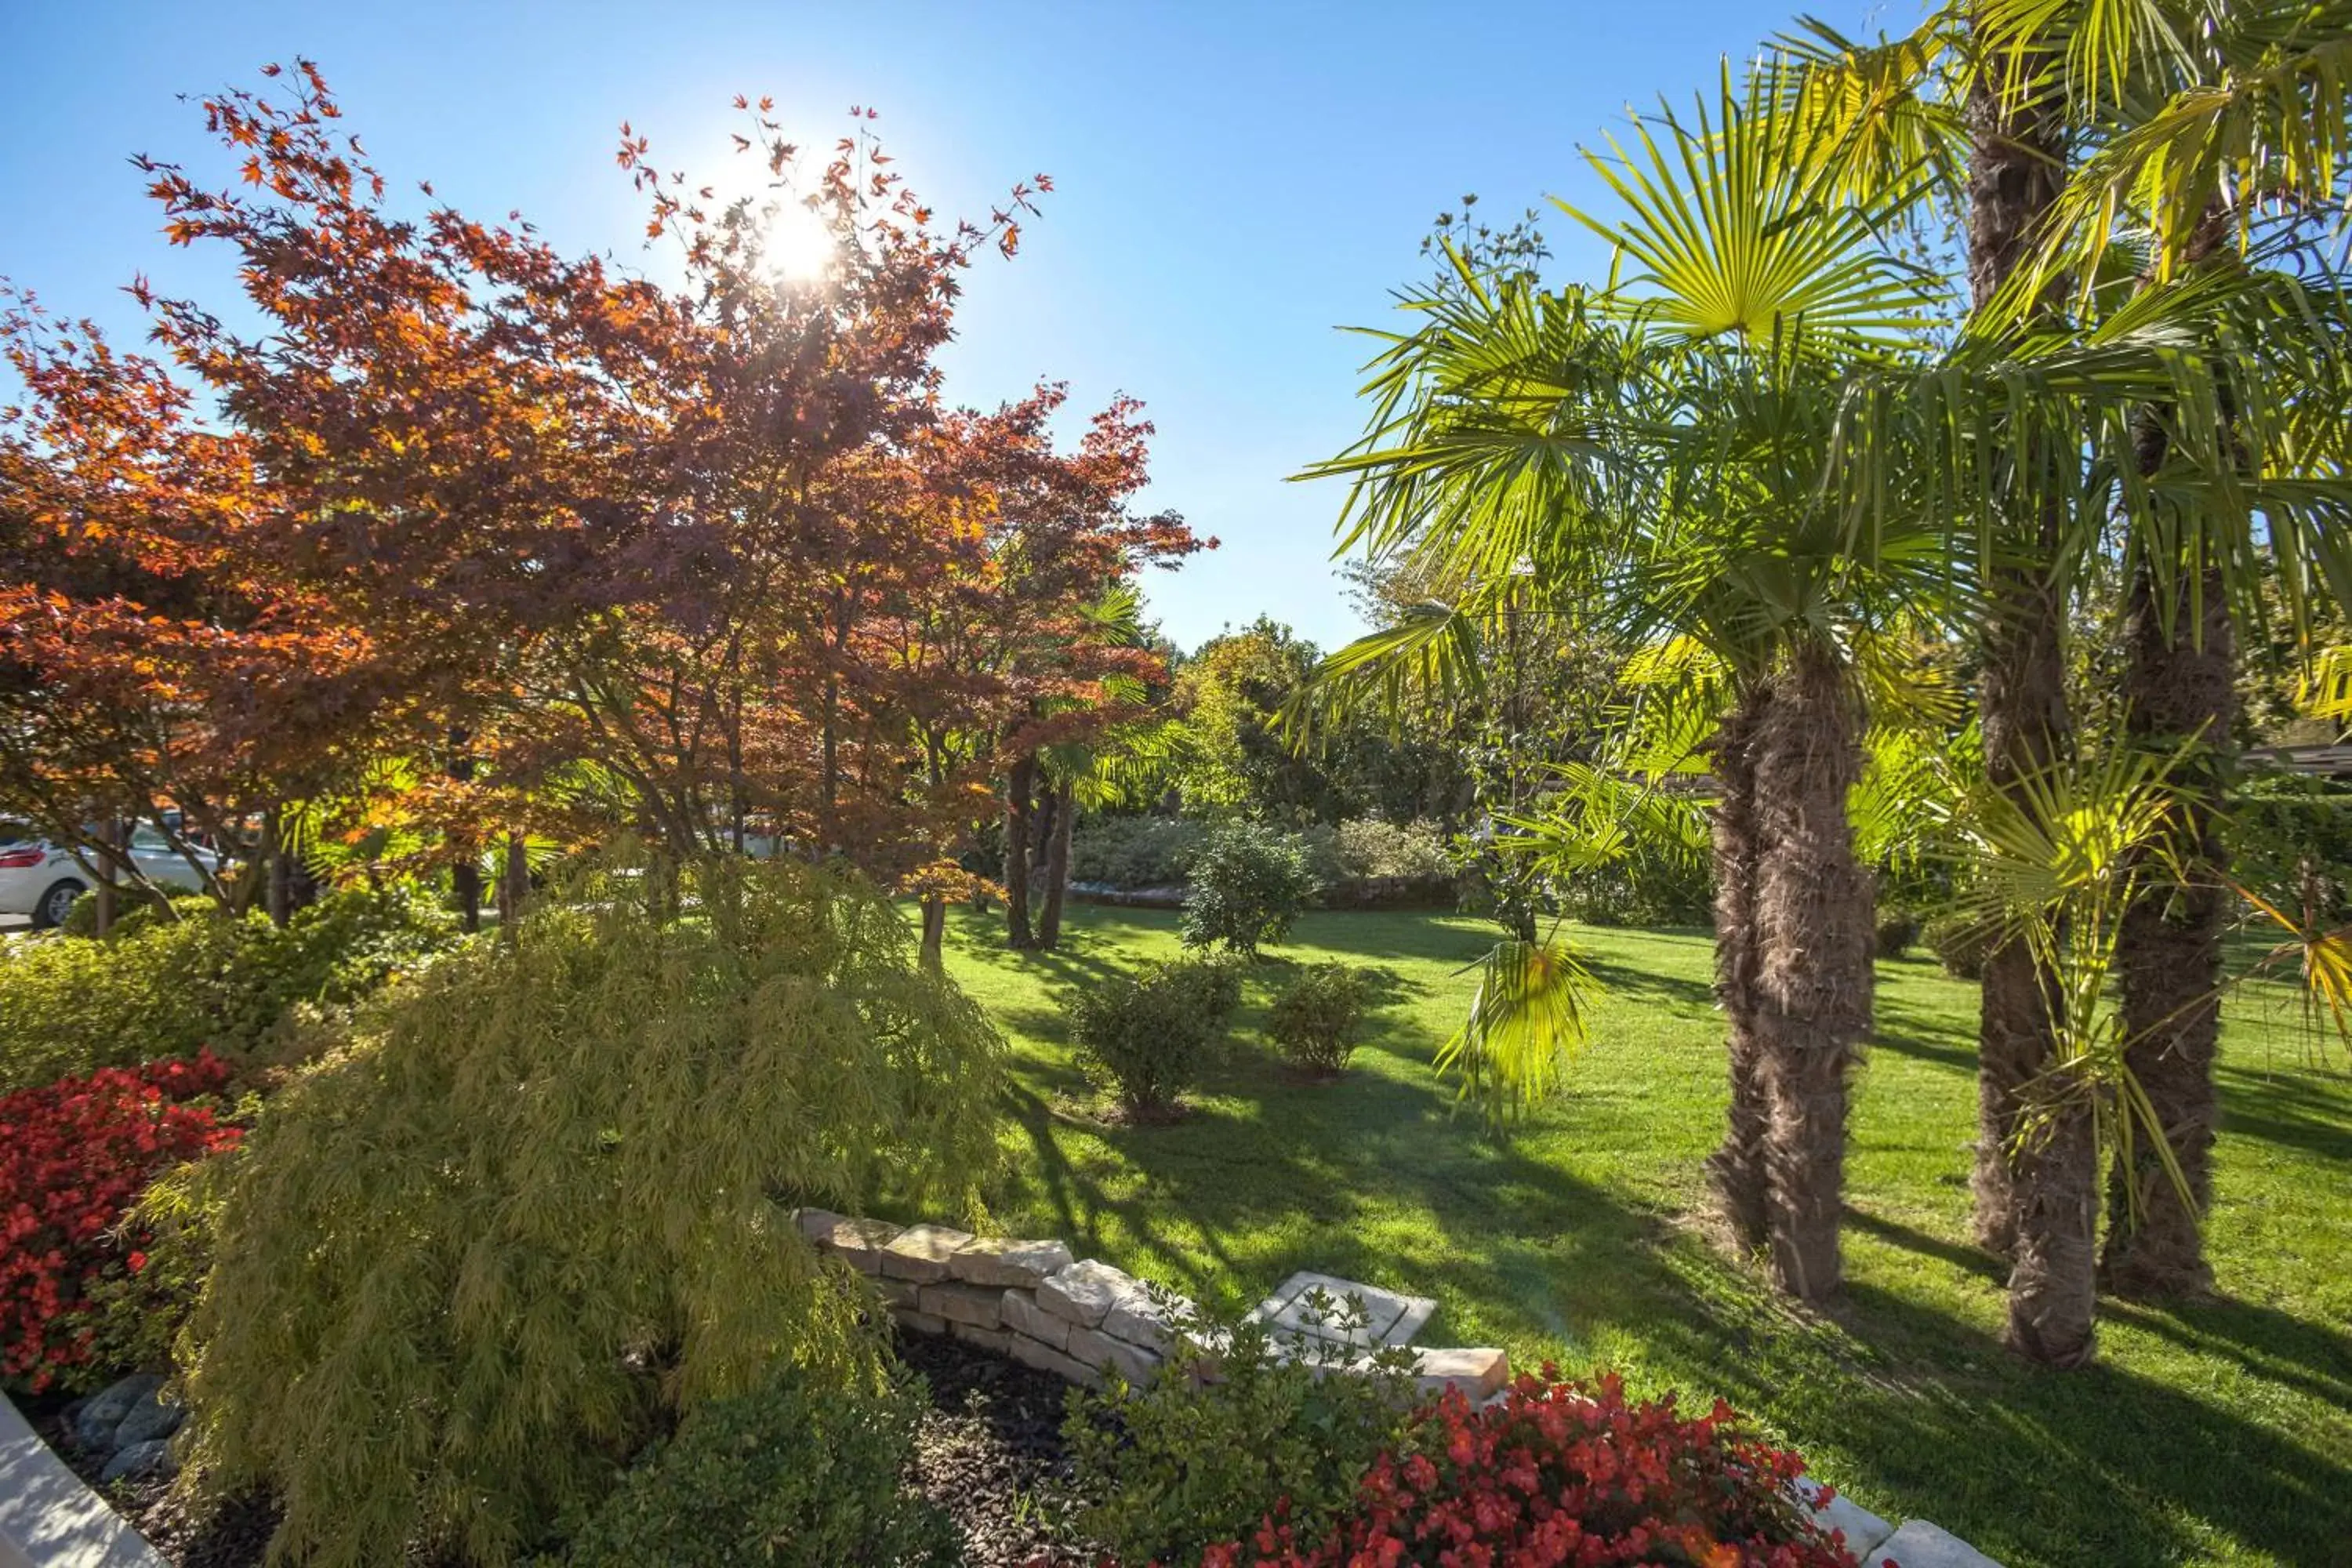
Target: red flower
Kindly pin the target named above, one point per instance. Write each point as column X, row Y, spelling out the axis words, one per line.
column 78, row 1154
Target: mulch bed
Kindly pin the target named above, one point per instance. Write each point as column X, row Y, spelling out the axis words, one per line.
column 989, row 1453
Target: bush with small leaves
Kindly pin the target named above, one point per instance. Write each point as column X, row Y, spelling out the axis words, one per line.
column 1317, row 1019
column 1146, row 1037
column 1897, row 931
column 1134, row 851
column 797, row 1473
column 1164, row 1471
column 539, row 1199
column 1959, row 944
column 1249, row 884
column 158, row 987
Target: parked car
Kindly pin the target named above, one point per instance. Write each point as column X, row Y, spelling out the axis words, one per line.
column 43, row 879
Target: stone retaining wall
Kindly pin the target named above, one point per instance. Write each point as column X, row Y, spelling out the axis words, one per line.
column 1032, row 1300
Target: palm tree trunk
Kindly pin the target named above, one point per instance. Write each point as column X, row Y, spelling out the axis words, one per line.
column 2017, row 162
column 1057, row 866
column 1020, row 791
column 1737, row 1168
column 1813, row 950
column 2178, row 688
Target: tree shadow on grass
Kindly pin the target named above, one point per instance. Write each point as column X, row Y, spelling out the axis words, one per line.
column 1958, row 1255
column 2266, row 1341
column 1622, row 981
column 2279, row 1108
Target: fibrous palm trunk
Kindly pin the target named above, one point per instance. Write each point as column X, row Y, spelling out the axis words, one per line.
column 1057, row 866
column 2178, row 689
column 1737, row 1168
column 1813, row 971
column 1020, row 795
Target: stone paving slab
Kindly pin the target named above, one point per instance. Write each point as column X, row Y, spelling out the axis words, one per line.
column 1919, row 1544
column 48, row 1518
column 1390, row 1319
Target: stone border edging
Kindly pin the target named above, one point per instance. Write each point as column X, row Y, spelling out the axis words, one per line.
column 48, row 1517
column 1032, row 1300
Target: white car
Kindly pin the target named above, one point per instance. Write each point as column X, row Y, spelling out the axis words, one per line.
column 42, row 879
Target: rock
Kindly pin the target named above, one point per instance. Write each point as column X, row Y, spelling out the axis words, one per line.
column 1476, row 1373
column 817, row 1224
column 150, row 1420
column 1085, row 1291
column 1045, row 1358
column 1092, row 1347
column 982, row 1308
column 920, row 1252
column 921, row 1323
column 994, row 1341
column 859, row 1242
column 1864, row 1530
column 996, row 1260
column 1022, row 1314
column 94, row 1424
column 138, row 1461
column 1145, row 1320
column 1919, row 1544
column 899, row 1292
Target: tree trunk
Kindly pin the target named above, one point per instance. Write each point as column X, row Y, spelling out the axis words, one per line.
column 465, row 870
column 1020, row 791
column 514, row 885
column 1057, row 866
column 2016, row 166
column 1813, row 953
column 935, row 930
column 2178, row 688
column 1736, row 1169
column 104, row 909
column 279, row 898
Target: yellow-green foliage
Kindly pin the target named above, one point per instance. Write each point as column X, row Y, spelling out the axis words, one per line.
column 467, row 1264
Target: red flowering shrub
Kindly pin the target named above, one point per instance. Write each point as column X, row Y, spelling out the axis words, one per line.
column 1568, row 1474
column 77, row 1154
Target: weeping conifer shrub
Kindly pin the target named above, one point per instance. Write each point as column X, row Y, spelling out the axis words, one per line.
column 537, row 1205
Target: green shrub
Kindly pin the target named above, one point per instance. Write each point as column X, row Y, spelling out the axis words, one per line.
column 135, row 912
column 1959, row 944
column 157, row 987
column 1895, row 932
column 1369, row 848
column 1134, row 851
column 539, row 1202
column 1316, row 1018
column 797, row 1473
column 1161, row 1472
column 1248, row 885
column 1146, row 1037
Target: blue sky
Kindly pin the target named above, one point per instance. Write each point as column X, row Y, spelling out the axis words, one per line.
column 1234, row 182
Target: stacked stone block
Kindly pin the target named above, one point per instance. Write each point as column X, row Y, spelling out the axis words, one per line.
column 1078, row 1319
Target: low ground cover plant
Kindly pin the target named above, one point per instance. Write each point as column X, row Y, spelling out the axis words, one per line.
column 1318, row 1017
column 1249, row 884
column 77, row 1155
column 798, row 1473
column 1146, row 1037
column 544, row 1191
column 1164, row 1472
column 1559, row 1473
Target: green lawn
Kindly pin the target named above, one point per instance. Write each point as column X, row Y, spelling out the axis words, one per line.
column 2219, row 1432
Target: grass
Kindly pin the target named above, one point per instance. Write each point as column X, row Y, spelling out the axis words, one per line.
column 2219, row 1431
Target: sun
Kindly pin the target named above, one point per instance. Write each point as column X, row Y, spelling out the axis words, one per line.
column 800, row 246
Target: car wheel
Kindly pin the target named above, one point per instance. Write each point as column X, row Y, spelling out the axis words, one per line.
column 57, row 903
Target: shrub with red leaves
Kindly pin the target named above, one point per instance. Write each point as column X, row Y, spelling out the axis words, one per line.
column 77, row 1154
column 1564, row 1474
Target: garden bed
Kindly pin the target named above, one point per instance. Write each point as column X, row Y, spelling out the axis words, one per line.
column 990, row 1452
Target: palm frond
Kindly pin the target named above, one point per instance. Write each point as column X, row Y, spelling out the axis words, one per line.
column 1524, row 1027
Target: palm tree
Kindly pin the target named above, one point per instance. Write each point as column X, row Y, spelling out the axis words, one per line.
column 1655, row 451
column 2063, row 127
